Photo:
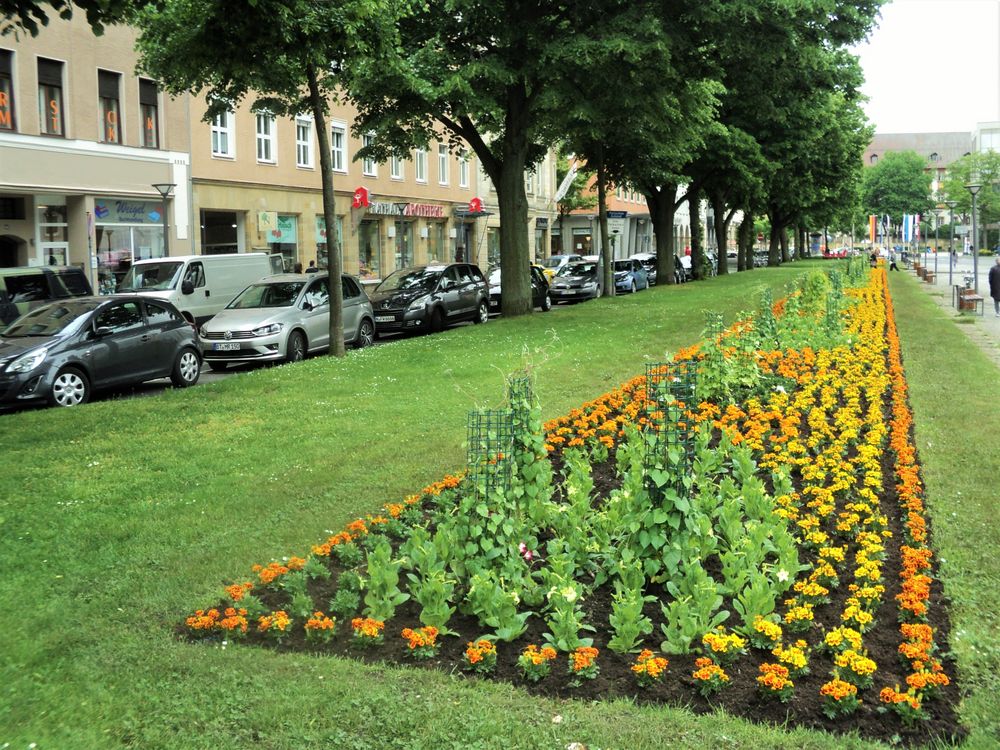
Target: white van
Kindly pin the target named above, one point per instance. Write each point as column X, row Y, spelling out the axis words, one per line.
column 198, row 285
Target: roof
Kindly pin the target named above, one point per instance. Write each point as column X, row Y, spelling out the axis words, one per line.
column 949, row 147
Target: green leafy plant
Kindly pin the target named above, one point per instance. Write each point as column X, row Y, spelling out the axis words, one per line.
column 383, row 594
column 496, row 607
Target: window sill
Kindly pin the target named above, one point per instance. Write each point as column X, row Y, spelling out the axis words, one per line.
column 224, row 157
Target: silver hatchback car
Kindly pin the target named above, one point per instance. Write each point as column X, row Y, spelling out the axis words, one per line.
column 284, row 317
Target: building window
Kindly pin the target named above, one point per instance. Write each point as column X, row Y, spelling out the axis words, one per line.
column 529, row 182
column 222, row 136
column 303, row 142
column 150, row 113
column 368, row 166
column 266, row 147
column 443, row 163
column 108, row 85
column 873, row 159
column 50, row 97
column 338, row 147
column 935, row 157
column 463, row 168
column 396, row 168
column 420, row 164
column 7, row 90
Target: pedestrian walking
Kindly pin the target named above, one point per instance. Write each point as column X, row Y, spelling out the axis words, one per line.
column 892, row 262
column 873, row 260
column 995, row 286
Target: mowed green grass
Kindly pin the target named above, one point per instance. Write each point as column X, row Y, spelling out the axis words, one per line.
column 955, row 396
column 119, row 518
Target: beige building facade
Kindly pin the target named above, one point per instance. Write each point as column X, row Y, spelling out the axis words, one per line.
column 82, row 142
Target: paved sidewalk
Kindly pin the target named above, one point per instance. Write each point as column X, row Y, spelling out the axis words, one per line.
column 983, row 331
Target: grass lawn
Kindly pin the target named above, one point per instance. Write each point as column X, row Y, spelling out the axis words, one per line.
column 955, row 395
column 120, row 517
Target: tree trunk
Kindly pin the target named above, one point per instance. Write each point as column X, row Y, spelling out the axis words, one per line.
column 744, row 244
column 333, row 256
column 721, row 230
column 784, row 245
column 697, row 251
column 515, row 263
column 607, row 278
column 774, row 248
column 661, row 212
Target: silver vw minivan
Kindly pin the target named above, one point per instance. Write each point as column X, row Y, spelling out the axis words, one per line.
column 284, row 317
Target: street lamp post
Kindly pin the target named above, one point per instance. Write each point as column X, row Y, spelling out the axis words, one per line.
column 937, row 248
column 974, row 187
column 164, row 188
column 951, row 244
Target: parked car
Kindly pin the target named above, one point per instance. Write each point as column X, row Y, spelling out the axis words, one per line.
column 285, row 317
column 427, row 298
column 27, row 287
column 554, row 263
column 576, row 281
column 648, row 261
column 198, row 285
column 630, row 276
column 64, row 351
column 540, row 296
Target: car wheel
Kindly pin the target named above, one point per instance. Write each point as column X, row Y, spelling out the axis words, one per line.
column 218, row 366
column 483, row 314
column 187, row 368
column 436, row 322
column 633, row 289
column 295, row 349
column 70, row 388
column 546, row 302
column 366, row 334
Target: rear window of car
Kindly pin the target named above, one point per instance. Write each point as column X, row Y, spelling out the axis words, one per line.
column 27, row 288
column 75, row 283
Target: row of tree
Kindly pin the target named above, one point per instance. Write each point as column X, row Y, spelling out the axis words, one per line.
column 751, row 104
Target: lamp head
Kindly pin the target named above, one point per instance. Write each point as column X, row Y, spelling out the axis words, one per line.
column 164, row 188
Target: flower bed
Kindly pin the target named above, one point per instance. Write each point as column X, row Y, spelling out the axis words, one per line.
column 751, row 536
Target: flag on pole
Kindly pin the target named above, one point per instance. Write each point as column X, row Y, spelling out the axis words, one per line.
column 907, row 228
column 871, row 227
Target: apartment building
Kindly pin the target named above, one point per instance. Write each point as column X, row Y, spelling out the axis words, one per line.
column 256, row 187
column 82, row 142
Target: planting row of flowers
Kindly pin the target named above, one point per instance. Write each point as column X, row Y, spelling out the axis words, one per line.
column 744, row 518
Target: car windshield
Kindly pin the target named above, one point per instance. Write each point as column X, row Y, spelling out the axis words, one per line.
column 151, row 277
column 281, row 294
column 406, row 279
column 578, row 269
column 50, row 320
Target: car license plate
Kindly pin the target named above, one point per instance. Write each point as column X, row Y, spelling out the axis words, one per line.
column 385, row 318
column 226, row 346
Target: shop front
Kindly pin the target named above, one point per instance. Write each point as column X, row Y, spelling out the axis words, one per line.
column 124, row 231
column 322, row 259
column 284, row 240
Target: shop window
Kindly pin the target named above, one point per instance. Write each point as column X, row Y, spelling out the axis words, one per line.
column 463, row 168
column 420, row 164
column 338, row 147
column 321, row 251
column 219, row 232
column 284, row 239
column 7, row 90
column 108, row 85
column 303, row 142
column 369, row 250
column 149, row 110
column 266, row 147
column 443, row 163
column 223, row 143
column 368, row 166
column 435, row 244
column 492, row 247
column 50, row 97
column 404, row 244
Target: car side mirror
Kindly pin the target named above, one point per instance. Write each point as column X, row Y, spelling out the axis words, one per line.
column 187, row 287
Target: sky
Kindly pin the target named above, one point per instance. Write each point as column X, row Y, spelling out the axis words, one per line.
column 947, row 51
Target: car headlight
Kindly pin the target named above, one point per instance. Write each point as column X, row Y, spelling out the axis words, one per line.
column 28, row 362
column 267, row 330
column 590, row 285
column 418, row 302
column 202, row 332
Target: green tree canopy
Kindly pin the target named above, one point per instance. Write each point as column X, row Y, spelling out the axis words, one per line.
column 983, row 168
column 897, row 185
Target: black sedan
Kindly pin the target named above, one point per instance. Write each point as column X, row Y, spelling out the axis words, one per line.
column 63, row 351
column 540, row 296
column 427, row 298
